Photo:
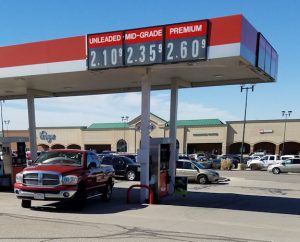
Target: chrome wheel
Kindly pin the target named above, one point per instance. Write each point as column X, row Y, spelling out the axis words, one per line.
column 130, row 175
column 106, row 196
column 202, row 179
column 276, row 171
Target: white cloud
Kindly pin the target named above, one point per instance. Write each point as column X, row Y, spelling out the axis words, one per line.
column 85, row 110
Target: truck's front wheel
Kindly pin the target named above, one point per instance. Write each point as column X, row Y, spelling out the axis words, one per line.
column 107, row 194
column 79, row 199
column 26, row 203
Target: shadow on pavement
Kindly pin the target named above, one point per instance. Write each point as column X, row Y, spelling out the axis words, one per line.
column 233, row 201
column 95, row 205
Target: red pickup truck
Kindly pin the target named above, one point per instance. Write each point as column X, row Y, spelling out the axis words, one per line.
column 65, row 175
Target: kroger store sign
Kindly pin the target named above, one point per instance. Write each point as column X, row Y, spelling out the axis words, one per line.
column 48, row 137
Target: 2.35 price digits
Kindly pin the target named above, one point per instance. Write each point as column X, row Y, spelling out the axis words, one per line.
column 187, row 49
column 141, row 54
column 105, row 57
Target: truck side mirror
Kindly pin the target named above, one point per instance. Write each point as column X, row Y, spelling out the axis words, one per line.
column 92, row 165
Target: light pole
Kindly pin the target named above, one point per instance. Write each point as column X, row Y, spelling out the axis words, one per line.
column 285, row 114
column 245, row 114
column 124, row 120
column 7, row 123
column 2, row 101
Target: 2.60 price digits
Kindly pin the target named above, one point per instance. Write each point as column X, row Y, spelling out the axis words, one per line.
column 185, row 49
column 106, row 57
column 143, row 54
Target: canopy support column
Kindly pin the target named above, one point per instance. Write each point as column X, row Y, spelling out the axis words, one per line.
column 145, row 140
column 32, row 127
column 173, row 119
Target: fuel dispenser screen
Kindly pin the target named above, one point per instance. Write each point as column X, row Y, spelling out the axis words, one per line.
column 164, row 157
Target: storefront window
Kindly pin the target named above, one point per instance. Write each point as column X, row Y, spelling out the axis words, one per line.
column 121, row 146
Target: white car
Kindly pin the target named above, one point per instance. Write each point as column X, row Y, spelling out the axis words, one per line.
column 285, row 157
column 263, row 162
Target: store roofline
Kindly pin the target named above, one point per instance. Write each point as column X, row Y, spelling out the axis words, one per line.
column 63, row 127
column 264, row 121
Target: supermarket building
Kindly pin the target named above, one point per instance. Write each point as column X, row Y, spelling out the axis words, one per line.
column 202, row 135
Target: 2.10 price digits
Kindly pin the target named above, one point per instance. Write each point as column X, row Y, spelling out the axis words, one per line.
column 106, row 57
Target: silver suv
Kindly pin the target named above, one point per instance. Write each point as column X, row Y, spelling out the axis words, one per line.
column 196, row 172
column 289, row 165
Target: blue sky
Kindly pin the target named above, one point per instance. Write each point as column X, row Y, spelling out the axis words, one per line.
column 36, row 20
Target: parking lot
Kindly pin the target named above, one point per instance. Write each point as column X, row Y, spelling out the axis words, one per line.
column 253, row 206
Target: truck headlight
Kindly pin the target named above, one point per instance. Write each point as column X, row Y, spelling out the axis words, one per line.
column 70, row 180
column 19, row 178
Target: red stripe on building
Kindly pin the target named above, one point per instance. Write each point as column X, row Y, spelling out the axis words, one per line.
column 225, row 30
column 67, row 49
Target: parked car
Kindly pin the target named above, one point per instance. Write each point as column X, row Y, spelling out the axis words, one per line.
column 65, row 175
column 201, row 157
column 130, row 156
column 285, row 157
column 251, row 157
column 263, row 162
column 196, row 172
column 123, row 166
column 208, row 164
column 183, row 157
column 289, row 165
column 216, row 164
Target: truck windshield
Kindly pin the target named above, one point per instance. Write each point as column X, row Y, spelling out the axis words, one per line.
column 60, row 158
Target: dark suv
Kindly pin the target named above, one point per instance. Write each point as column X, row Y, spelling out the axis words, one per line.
column 123, row 166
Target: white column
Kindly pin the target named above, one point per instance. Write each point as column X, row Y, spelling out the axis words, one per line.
column 32, row 127
column 145, row 141
column 173, row 119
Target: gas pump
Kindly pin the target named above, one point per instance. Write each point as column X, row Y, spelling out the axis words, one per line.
column 1, row 164
column 12, row 165
column 6, row 168
column 7, row 159
column 159, row 167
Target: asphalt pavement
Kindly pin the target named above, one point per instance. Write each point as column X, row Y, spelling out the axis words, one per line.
column 252, row 206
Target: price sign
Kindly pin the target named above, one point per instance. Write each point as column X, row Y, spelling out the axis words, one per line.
column 143, row 46
column 105, row 50
column 186, row 41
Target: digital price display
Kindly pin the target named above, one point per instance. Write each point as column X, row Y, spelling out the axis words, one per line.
column 267, row 57
column 143, row 46
column 105, row 50
column 146, row 46
column 186, row 41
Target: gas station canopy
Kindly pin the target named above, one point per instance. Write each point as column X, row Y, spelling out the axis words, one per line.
column 217, row 51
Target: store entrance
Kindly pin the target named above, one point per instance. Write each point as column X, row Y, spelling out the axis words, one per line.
column 98, row 148
column 208, row 148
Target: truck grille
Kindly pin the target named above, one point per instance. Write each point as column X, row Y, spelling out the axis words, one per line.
column 41, row 179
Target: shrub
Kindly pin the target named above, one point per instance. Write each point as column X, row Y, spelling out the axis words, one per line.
column 255, row 167
column 226, row 164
